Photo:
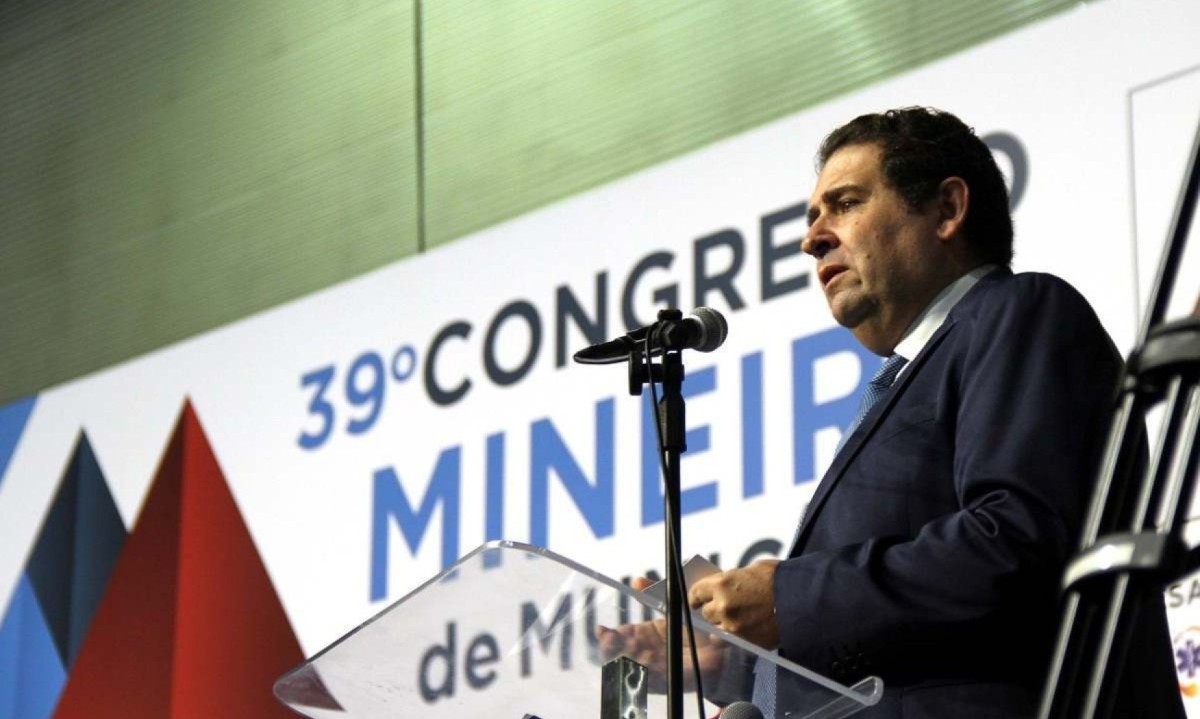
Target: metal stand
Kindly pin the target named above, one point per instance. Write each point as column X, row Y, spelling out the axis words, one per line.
column 1132, row 542
column 670, row 417
column 623, row 689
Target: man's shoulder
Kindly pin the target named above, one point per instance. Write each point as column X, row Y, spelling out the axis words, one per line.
column 1030, row 312
column 1003, row 293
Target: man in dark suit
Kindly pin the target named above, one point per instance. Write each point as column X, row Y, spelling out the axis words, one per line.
column 931, row 552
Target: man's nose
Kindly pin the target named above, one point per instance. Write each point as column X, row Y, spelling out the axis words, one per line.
column 819, row 241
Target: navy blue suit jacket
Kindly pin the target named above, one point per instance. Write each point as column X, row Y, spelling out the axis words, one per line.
column 932, row 550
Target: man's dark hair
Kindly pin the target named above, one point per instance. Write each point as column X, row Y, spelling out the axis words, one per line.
column 920, row 148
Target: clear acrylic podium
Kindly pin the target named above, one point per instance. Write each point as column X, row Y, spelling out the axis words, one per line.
column 514, row 630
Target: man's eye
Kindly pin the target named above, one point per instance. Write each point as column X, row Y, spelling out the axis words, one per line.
column 844, row 205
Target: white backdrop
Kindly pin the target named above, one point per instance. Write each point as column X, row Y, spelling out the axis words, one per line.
column 1101, row 100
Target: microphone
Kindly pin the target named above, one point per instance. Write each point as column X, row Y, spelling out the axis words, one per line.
column 704, row 330
column 741, row 710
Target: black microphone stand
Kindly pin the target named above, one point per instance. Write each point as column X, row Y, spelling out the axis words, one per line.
column 1132, row 542
column 670, row 417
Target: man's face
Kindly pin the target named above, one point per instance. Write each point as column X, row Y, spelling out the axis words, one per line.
column 879, row 262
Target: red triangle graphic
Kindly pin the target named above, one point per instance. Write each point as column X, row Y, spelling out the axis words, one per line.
column 191, row 625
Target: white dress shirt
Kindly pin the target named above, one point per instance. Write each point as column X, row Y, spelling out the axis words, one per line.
column 931, row 318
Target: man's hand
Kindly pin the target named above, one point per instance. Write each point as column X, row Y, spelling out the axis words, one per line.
column 646, row 643
column 643, row 642
column 740, row 601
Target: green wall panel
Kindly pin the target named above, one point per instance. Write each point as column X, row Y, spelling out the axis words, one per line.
column 170, row 167
column 166, row 168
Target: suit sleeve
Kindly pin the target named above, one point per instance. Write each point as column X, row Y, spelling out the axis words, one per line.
column 1028, row 393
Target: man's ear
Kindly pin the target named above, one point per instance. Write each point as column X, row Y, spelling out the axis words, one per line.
column 953, row 200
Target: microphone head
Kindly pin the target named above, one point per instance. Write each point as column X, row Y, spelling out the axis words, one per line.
column 704, row 330
column 714, row 328
column 741, row 710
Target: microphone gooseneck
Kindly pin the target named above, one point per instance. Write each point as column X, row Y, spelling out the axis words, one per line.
column 704, row 330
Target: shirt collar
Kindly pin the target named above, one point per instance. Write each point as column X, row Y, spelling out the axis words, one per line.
column 918, row 333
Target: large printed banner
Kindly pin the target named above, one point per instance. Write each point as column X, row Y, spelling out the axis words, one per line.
column 184, row 527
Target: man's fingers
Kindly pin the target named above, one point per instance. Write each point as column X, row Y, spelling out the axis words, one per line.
column 701, row 592
column 640, row 583
column 610, row 641
column 710, row 614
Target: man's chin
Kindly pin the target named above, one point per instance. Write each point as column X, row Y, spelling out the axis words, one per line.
column 846, row 312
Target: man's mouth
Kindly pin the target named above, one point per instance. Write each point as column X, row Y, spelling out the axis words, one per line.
column 828, row 272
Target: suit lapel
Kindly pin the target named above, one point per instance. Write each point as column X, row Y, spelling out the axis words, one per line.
column 863, row 433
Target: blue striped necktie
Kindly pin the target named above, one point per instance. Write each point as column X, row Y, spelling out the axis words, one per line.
column 876, row 389
column 764, row 672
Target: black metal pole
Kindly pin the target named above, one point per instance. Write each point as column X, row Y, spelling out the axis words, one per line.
column 670, row 416
column 1132, row 542
column 1181, row 226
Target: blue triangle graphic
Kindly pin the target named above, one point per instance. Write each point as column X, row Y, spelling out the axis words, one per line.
column 31, row 675
column 75, row 552
column 12, row 423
